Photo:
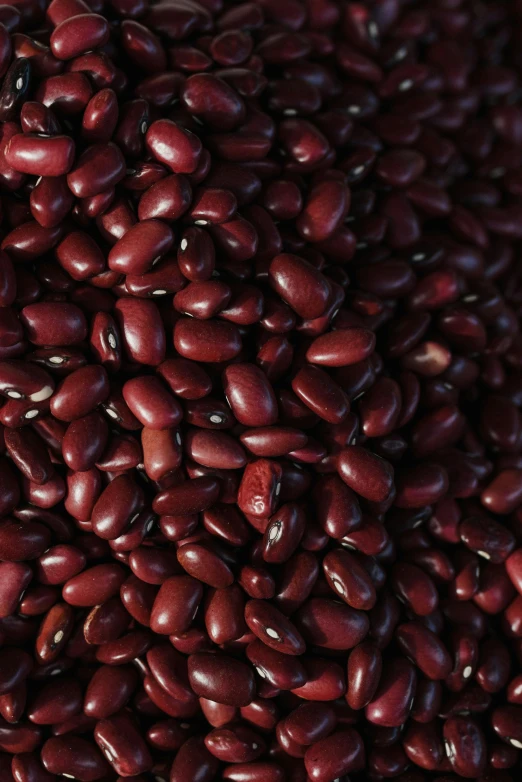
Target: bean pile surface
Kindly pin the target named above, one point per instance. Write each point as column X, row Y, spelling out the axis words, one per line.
column 260, row 390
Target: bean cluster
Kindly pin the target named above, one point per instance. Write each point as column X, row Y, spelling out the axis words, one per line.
column 261, row 390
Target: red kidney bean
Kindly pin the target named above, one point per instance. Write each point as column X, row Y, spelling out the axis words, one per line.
column 204, row 564
column 363, row 672
column 278, row 669
column 73, row 756
column 349, row 580
column 28, row 453
column 175, row 605
column 31, row 154
column 336, row 755
column 221, row 679
column 99, row 167
column 250, row 395
column 94, row 585
column 394, row 696
column 283, row 533
column 329, row 624
column 465, row 746
column 116, row 507
column 321, row 394
column 367, row 474
column 121, row 743
column 303, row 288
column 273, row 628
column 79, row 393
column 60, row 563
column 109, row 690
column 174, row 146
column 425, row 649
column 189, row 497
column 260, row 488
column 207, row 341
column 224, row 615
column 415, row 587
column 194, row 760
column 143, row 244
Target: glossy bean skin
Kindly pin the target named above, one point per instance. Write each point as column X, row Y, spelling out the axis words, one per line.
column 124, row 748
column 193, row 759
column 260, row 391
column 273, row 628
column 303, row 288
column 142, row 331
column 94, row 585
column 175, row 605
column 321, row 394
column 467, row 758
column 207, row 341
column 349, row 580
column 340, row 753
column 394, row 696
column 367, row 474
column 221, row 678
column 79, row 393
column 75, row 756
column 250, row 395
column 109, row 690
column 260, row 487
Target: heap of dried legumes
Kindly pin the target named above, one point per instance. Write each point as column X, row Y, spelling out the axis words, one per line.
column 261, row 390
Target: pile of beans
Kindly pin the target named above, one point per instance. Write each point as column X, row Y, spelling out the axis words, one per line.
column 261, row 390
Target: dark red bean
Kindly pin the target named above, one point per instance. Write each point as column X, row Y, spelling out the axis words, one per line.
column 221, row 679
column 194, row 760
column 97, row 169
column 94, row 585
column 121, row 743
column 303, row 288
column 393, row 699
column 332, row 757
column 367, row 474
column 74, row 756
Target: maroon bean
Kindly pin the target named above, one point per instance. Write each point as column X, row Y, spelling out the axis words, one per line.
column 465, row 746
column 349, row 579
column 94, row 585
column 235, row 744
column 120, row 741
column 221, row 679
column 303, row 288
column 84, row 442
column 334, row 756
column 205, row 565
column 321, row 394
column 260, row 487
column 73, row 756
column 207, row 341
column 174, row 146
column 175, row 605
column 116, row 507
column 186, row 378
column 28, row 453
column 194, row 760
column 425, row 649
column 250, row 395
column 224, row 615
column 97, row 169
column 109, row 690
column 273, row 628
column 367, row 474
column 80, row 392
column 189, row 497
column 394, row 696
column 486, row 537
